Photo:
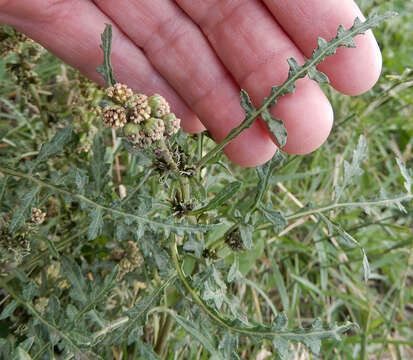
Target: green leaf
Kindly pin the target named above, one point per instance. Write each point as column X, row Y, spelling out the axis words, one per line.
column 53, row 313
column 22, row 354
column 24, row 211
column 283, row 347
column 95, row 227
column 72, row 272
column 30, row 290
column 407, row 175
column 246, row 232
column 353, row 170
column 264, row 174
column 99, row 293
column 9, row 309
column 282, row 290
column 27, row 344
column 213, row 293
column 137, row 313
column 228, row 346
column 105, row 69
column 80, row 178
column 190, row 328
column 307, row 284
column 233, row 272
column 51, row 246
column 246, row 103
column 55, row 146
column 366, row 266
column 318, row 76
column 277, row 128
column 275, row 217
column 99, row 168
column 263, row 294
column 146, row 351
column 197, row 190
column 294, row 67
column 349, row 241
column 222, row 197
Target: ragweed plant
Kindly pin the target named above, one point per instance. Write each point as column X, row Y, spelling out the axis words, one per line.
column 147, row 236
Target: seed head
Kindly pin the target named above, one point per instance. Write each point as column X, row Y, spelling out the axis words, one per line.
column 154, row 128
column 119, row 93
column 172, row 124
column 209, row 254
column 114, row 116
column 139, row 109
column 38, row 216
column 159, row 106
column 234, row 241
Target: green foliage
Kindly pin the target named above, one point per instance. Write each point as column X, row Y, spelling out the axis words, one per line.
column 55, row 146
column 174, row 253
column 105, row 69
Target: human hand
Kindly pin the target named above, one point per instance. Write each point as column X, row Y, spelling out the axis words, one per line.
column 199, row 53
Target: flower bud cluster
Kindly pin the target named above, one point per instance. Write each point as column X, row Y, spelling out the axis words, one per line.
column 38, row 216
column 119, row 93
column 10, row 40
column 114, row 116
column 144, row 120
column 132, row 259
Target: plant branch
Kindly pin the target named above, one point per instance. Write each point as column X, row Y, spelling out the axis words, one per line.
column 362, row 204
column 45, row 322
column 137, row 218
column 261, row 331
column 343, row 38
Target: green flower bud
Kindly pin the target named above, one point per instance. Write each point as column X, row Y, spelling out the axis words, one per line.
column 154, row 128
column 159, row 106
column 133, row 133
column 172, row 124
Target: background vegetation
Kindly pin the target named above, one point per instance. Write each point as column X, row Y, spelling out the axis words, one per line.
column 63, row 295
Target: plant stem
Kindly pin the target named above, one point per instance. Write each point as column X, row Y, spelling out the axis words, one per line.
column 30, row 308
column 398, row 199
column 165, row 155
column 138, row 218
column 361, row 204
column 185, row 188
column 116, row 156
column 265, row 332
column 163, row 336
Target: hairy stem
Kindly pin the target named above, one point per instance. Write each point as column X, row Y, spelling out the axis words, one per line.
column 256, row 331
column 386, row 202
column 163, row 336
column 30, row 308
column 137, row 218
